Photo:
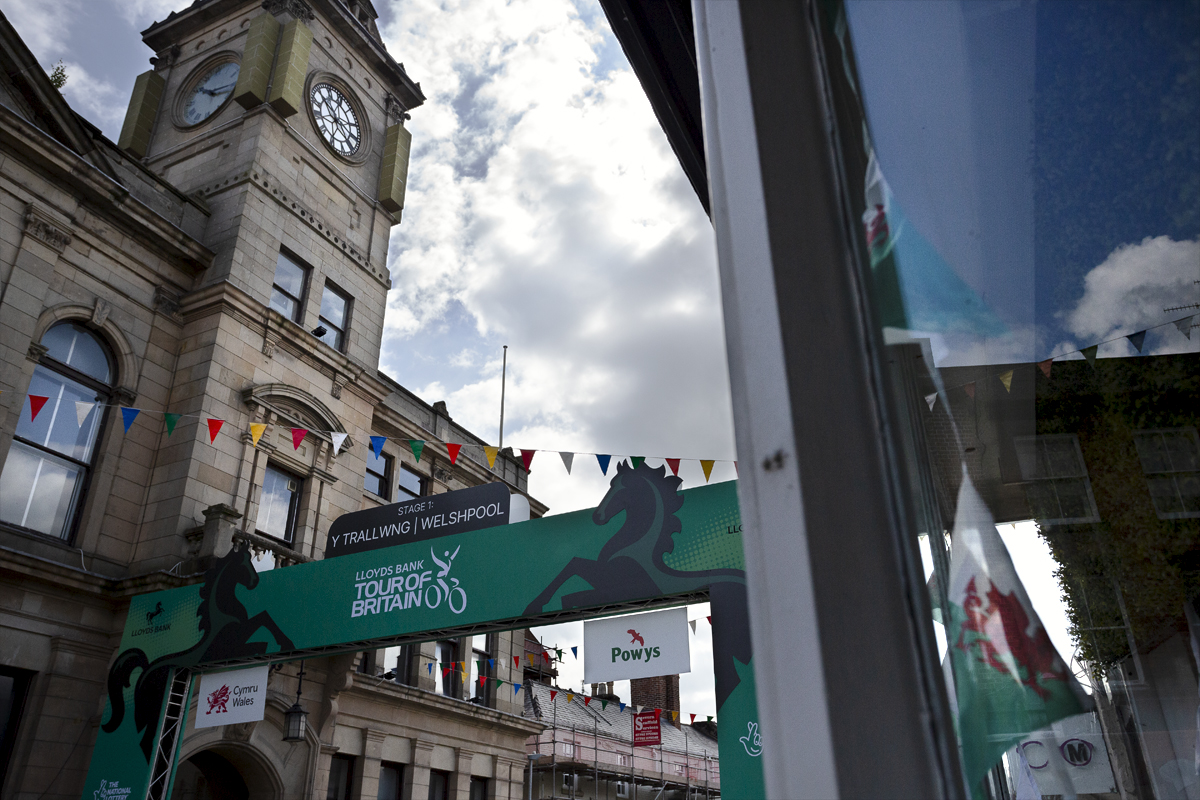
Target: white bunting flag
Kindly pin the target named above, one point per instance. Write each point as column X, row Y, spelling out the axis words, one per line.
column 568, row 459
column 692, row 622
column 338, row 440
column 82, row 410
column 1185, row 325
column 930, row 400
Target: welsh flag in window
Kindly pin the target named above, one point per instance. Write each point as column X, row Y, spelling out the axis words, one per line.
column 1008, row 678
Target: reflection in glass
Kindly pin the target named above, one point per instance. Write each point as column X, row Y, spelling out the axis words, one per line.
column 288, row 289
column 1029, row 188
column 277, row 506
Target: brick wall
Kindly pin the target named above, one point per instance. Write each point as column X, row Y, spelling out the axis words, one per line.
column 661, row 692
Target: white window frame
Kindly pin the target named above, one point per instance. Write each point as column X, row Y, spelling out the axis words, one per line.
column 1172, row 473
column 1050, row 480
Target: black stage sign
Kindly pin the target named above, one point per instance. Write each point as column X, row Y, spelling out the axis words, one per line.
column 418, row 519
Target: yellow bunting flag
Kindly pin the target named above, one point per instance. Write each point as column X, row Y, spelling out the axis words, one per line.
column 256, row 432
column 1006, row 379
column 491, row 456
column 570, row 696
column 674, row 715
column 707, row 467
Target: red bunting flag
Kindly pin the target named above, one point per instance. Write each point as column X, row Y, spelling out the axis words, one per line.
column 214, row 426
column 546, row 656
column 657, row 713
column 36, row 401
column 445, row 671
column 453, row 449
column 587, row 700
column 1045, row 366
column 693, row 716
column 970, row 389
column 673, row 463
column 553, row 694
column 709, row 620
column 298, row 435
column 527, row 457
column 516, row 662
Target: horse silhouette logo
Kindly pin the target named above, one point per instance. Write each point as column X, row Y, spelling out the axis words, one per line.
column 226, row 628
column 637, row 637
column 632, row 565
column 150, row 615
column 217, row 700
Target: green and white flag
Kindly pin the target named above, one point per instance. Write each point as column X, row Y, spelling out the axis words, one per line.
column 1008, row 678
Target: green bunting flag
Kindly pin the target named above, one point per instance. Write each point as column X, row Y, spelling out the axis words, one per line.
column 637, row 461
column 172, row 420
column 1008, row 678
column 1089, row 353
column 417, row 446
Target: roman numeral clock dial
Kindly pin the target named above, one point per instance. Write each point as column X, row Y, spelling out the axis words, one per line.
column 336, row 119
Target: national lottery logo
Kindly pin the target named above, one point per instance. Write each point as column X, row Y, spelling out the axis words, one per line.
column 405, row 586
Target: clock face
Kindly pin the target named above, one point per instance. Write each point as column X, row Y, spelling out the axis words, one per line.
column 336, row 119
column 210, row 93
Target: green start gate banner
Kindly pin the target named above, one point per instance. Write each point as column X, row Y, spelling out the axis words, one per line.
column 645, row 540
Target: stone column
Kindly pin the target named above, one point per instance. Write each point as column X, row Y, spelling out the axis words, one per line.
column 509, row 783
column 416, row 777
column 460, row 781
column 371, row 758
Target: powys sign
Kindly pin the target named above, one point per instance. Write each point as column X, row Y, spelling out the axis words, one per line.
column 233, row 696
column 636, row 646
column 420, row 519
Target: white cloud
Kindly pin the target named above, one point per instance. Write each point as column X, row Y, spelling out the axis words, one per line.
column 141, row 13
column 1131, row 288
column 546, row 211
column 40, row 24
column 98, row 100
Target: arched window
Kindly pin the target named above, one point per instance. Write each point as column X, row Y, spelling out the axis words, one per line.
column 48, row 466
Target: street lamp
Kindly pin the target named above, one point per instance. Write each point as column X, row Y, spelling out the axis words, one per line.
column 294, row 718
column 532, row 757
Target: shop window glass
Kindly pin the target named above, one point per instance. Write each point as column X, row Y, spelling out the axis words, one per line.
column 341, row 773
column 378, row 478
column 391, row 780
column 278, row 506
column 50, row 460
column 479, row 788
column 287, row 292
column 1171, row 463
column 481, row 656
column 439, row 785
column 447, row 656
column 1026, row 178
column 14, row 685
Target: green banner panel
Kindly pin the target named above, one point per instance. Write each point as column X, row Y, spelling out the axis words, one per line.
column 645, row 540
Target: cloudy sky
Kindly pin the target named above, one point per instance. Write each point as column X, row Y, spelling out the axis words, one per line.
column 545, row 212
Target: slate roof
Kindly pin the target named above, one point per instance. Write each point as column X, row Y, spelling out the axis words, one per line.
column 609, row 722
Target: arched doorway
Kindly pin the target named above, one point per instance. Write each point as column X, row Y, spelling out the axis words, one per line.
column 223, row 773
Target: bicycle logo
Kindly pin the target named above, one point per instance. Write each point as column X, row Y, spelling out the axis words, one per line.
column 443, row 589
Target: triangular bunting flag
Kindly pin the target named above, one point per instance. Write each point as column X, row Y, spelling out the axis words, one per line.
column 453, row 449
column 736, row 471
column 621, row 707
column 36, row 401
column 430, row 668
column 553, row 694
column 575, row 652
column 516, row 689
column 491, row 452
column 82, row 410
column 516, row 662
column 558, row 653
column 128, row 415
column 1006, row 379
column 1184, row 326
column 214, row 427
column 637, row 461
column 338, row 440
column 491, row 663
column 567, row 459
column 692, row 622
column 587, row 700
column 931, row 400
column 546, row 655
column 445, row 671
column 377, row 445
column 673, row 463
column 602, row 460
column 970, row 389
column 657, row 713
column 709, row 620
column 674, row 716
column 527, row 458
column 693, row 716
column 710, row 718
column 298, row 435
column 172, row 419
column 530, row 655
column 1137, row 340
column 707, row 467
column 603, row 704
column 416, row 445
column 1089, row 354
column 638, row 709
column 499, row 682
column 1044, row 366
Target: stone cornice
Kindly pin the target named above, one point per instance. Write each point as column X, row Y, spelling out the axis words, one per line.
column 372, row 690
column 103, row 195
